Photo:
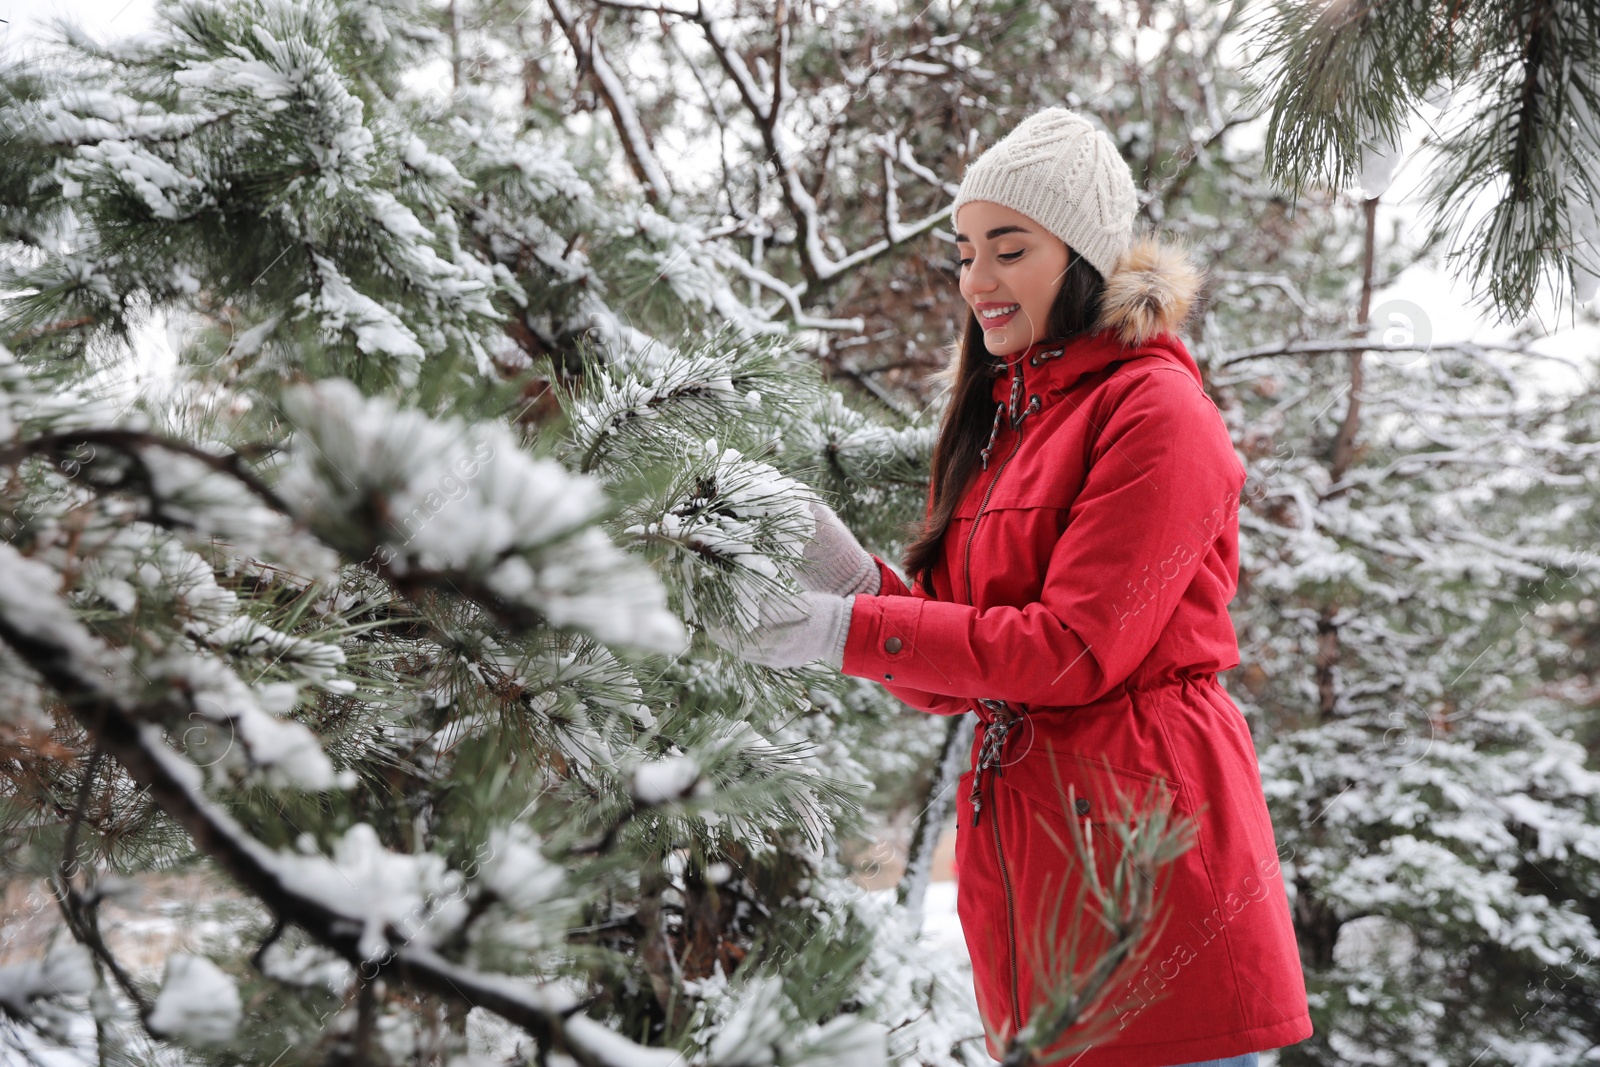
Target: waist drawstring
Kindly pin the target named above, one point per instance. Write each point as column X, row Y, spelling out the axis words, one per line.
column 995, row 733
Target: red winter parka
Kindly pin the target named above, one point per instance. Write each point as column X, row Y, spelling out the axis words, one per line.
column 1083, row 592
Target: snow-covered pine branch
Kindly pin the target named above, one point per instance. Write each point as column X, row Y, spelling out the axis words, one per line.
column 736, row 528
column 1514, row 96
column 639, row 405
column 357, row 902
column 445, row 502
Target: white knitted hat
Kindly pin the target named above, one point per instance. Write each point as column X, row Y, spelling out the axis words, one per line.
column 1067, row 176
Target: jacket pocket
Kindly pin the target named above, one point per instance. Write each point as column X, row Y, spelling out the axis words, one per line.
column 1088, row 786
column 1061, row 820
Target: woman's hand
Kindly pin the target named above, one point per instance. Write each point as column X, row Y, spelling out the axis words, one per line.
column 835, row 561
column 793, row 632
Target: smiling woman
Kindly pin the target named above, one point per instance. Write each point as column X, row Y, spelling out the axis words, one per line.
column 1070, row 587
column 1011, row 270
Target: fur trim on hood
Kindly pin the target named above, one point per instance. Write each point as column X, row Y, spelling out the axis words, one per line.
column 1151, row 291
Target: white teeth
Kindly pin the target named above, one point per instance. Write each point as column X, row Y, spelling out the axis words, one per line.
column 994, row 313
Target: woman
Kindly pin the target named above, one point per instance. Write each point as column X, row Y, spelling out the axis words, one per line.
column 1070, row 587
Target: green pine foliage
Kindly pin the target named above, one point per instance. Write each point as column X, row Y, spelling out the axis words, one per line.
column 1511, row 92
column 398, row 575
column 471, row 436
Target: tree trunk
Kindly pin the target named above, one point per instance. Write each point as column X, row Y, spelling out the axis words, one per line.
column 953, row 760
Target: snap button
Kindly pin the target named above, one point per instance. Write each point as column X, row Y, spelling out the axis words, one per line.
column 892, row 645
column 1082, row 805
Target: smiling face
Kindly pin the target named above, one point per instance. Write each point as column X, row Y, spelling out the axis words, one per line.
column 1008, row 261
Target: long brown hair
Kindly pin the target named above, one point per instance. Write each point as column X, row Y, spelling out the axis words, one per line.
column 964, row 430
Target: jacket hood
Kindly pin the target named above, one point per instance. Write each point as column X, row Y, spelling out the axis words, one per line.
column 1146, row 301
column 1150, row 293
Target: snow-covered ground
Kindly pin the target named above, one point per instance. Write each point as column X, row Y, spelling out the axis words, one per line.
column 939, row 921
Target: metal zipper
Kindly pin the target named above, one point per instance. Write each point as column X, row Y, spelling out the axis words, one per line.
column 1011, row 919
column 1016, row 425
column 996, row 732
column 989, row 752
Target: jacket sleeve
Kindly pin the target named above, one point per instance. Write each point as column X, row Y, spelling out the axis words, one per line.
column 1162, row 485
column 937, row 703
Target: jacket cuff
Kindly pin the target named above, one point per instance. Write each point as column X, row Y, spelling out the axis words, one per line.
column 889, row 580
column 882, row 637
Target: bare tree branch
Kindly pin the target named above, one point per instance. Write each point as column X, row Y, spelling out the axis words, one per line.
column 765, row 107
column 1343, row 345
column 641, row 157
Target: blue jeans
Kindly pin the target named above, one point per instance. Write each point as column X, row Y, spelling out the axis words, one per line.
column 1247, row 1060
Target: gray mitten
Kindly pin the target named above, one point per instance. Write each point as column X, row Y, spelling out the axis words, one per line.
column 835, row 561
column 793, row 632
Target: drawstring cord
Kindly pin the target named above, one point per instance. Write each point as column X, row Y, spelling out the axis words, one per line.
column 999, row 410
column 995, row 732
column 1010, row 405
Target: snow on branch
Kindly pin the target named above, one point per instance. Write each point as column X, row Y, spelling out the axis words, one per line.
column 435, row 502
column 454, row 504
column 636, row 397
column 199, row 494
column 789, row 294
column 634, row 141
column 32, row 405
column 288, row 78
column 181, row 134
column 94, row 684
column 856, row 447
column 378, row 331
column 740, row 516
column 237, row 725
column 765, row 108
column 1340, row 345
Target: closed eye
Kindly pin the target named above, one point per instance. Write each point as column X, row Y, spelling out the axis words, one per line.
column 1009, row 257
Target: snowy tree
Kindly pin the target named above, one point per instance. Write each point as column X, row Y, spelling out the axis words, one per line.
column 498, row 332
column 380, row 612
column 1415, row 508
column 1438, row 823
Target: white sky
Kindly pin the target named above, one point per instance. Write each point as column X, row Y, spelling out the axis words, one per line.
column 1446, row 303
column 27, row 19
